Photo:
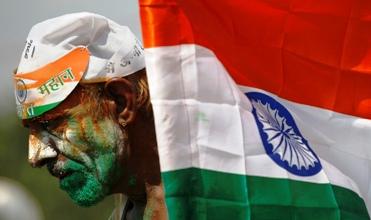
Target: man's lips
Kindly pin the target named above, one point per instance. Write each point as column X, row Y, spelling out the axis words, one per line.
column 62, row 174
column 59, row 173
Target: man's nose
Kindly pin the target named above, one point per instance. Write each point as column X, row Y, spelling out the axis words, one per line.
column 40, row 149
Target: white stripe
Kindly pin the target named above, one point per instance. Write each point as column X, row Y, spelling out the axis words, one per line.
column 204, row 120
column 34, row 95
column 342, row 140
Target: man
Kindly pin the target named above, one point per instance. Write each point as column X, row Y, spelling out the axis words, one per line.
column 81, row 89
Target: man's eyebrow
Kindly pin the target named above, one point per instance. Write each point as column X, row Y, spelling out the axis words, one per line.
column 43, row 119
column 28, row 122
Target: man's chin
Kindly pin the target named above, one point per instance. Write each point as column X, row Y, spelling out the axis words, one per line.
column 83, row 188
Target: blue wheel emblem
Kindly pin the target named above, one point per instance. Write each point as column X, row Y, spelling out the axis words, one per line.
column 21, row 91
column 281, row 137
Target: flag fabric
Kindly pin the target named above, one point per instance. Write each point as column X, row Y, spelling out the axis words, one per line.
column 262, row 107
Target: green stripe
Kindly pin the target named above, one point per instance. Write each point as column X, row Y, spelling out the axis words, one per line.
column 30, row 112
column 203, row 194
column 44, row 108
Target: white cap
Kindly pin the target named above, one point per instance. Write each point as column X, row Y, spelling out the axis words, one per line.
column 75, row 48
column 114, row 49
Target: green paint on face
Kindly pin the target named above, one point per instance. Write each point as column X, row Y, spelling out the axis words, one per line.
column 84, row 186
column 91, row 147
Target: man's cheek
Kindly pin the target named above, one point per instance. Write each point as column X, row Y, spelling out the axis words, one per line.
column 74, row 143
column 75, row 134
column 107, row 167
column 72, row 152
column 86, row 133
column 100, row 134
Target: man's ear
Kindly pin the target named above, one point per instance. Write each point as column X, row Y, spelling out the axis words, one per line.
column 122, row 91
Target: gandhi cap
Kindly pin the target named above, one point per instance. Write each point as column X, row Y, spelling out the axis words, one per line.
column 71, row 49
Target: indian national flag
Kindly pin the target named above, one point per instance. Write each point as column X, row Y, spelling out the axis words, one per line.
column 262, row 107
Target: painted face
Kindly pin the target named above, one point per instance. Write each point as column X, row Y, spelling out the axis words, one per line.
column 80, row 145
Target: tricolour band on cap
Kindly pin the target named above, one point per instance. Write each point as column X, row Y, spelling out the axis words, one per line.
column 43, row 89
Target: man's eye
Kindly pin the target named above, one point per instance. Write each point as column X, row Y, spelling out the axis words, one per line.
column 25, row 124
column 45, row 125
column 54, row 126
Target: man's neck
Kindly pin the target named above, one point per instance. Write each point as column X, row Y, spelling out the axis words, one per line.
column 142, row 178
column 142, row 157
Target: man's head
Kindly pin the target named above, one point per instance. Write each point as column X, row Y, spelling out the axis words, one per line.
column 84, row 141
column 84, row 138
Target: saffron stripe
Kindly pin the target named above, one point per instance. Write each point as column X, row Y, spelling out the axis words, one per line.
column 307, row 52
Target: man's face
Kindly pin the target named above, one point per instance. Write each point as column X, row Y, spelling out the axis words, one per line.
column 80, row 142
